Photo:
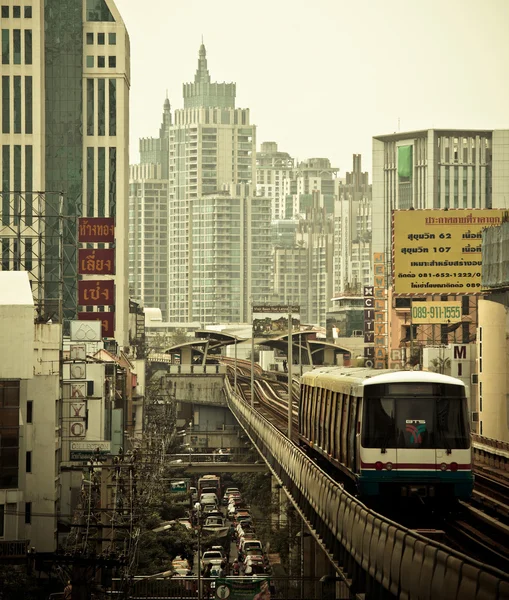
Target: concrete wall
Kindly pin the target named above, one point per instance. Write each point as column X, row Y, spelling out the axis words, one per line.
column 200, row 390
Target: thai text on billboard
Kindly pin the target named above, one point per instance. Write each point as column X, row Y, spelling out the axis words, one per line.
column 96, row 229
column 96, row 262
column 96, row 292
column 439, row 251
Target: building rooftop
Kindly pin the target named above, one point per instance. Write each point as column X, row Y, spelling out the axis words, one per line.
column 15, row 289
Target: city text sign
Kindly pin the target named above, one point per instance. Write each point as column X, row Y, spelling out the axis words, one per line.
column 439, row 251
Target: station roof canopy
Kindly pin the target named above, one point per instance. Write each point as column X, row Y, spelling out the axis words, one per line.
column 315, row 345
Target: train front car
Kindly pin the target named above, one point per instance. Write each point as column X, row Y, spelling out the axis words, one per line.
column 414, row 438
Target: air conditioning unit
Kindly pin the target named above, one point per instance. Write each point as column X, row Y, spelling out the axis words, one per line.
column 474, row 378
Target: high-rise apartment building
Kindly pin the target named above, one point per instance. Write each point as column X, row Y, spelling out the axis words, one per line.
column 437, row 168
column 231, row 255
column 211, row 143
column 65, row 133
column 353, row 256
column 148, row 220
column 148, row 236
column 309, row 178
column 272, row 168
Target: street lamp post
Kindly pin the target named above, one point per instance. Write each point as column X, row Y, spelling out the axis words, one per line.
column 235, row 376
column 197, row 508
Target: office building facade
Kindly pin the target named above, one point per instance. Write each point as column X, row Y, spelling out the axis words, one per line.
column 437, row 168
column 65, row 132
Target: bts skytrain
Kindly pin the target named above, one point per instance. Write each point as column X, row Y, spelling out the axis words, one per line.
column 396, row 434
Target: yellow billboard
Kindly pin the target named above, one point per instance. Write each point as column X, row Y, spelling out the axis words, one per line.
column 439, row 251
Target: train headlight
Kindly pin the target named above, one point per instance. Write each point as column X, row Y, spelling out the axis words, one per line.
column 443, row 467
column 454, row 466
column 379, row 466
column 388, row 466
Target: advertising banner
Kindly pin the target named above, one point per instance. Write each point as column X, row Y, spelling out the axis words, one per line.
column 436, row 312
column 96, row 262
column 439, row 251
column 95, row 292
column 244, row 588
column 107, row 320
column 96, row 229
column 272, row 320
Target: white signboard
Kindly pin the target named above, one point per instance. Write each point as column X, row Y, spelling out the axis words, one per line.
column 86, row 331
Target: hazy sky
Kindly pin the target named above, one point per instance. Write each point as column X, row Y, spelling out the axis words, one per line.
column 321, row 77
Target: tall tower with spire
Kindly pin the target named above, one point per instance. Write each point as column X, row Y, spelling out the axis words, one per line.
column 203, row 93
column 211, row 145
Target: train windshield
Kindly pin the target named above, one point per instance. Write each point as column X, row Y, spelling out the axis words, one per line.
column 404, row 415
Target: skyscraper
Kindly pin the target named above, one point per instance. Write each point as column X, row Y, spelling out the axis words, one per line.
column 437, row 168
column 211, row 143
column 65, row 98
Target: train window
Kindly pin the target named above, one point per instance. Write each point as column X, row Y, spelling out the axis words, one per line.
column 312, row 414
column 326, row 446
column 352, row 430
column 303, row 409
column 378, row 430
column 344, row 429
column 452, row 423
column 332, row 424
column 307, row 416
column 337, row 430
column 324, row 398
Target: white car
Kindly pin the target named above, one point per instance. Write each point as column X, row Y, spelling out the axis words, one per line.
column 211, row 556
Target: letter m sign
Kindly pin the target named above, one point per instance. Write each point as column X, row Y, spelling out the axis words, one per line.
column 460, row 353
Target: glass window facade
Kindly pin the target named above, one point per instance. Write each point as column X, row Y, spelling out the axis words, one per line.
column 90, row 38
column 5, row 12
column 90, row 107
column 29, row 184
column 6, row 185
column 28, row 46
column 6, row 104
column 112, row 62
column 101, row 106
column 101, row 180
column 64, row 111
column 5, row 47
column 28, row 12
column 112, row 39
column 113, row 107
column 97, row 10
column 90, row 182
column 17, row 104
column 28, row 104
column 16, row 44
column 100, row 39
column 101, row 61
column 113, row 182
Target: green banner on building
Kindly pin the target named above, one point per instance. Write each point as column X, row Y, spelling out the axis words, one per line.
column 405, row 162
column 243, row 588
